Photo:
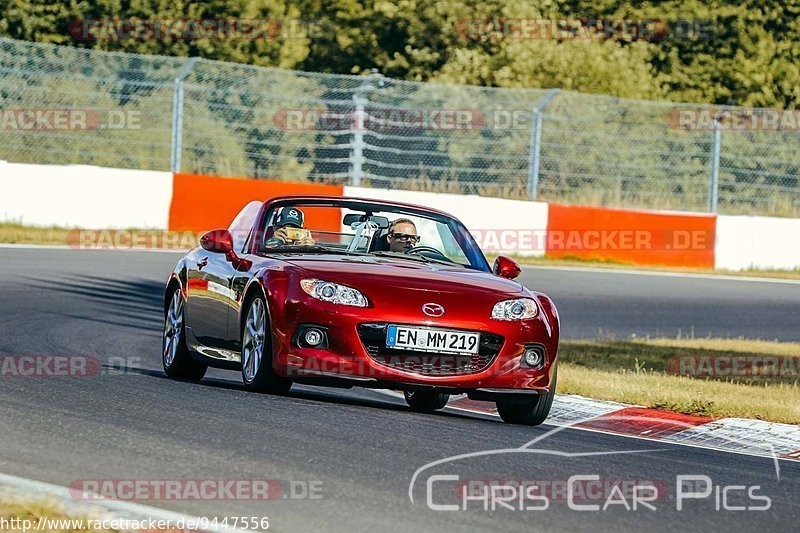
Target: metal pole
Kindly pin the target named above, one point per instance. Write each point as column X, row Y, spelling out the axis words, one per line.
column 358, row 142
column 359, row 101
column 536, row 144
column 713, row 191
column 177, row 114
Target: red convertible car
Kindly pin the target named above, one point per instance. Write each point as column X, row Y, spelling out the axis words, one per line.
column 355, row 292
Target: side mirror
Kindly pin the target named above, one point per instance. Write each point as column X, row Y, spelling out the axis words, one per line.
column 218, row 241
column 506, row 268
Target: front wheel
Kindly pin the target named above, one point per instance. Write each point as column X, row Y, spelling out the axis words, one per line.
column 529, row 413
column 257, row 372
column 425, row 401
column 175, row 357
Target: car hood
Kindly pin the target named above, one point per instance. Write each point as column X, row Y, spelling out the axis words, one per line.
column 385, row 273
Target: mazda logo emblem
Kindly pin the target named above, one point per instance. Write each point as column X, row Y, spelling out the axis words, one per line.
column 433, row 309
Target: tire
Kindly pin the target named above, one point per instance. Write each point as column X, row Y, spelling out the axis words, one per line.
column 178, row 363
column 258, row 374
column 425, row 401
column 529, row 413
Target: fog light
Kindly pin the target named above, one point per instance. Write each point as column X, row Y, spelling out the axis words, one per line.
column 533, row 357
column 313, row 337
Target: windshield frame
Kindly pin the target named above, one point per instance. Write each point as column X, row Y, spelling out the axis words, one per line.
column 473, row 253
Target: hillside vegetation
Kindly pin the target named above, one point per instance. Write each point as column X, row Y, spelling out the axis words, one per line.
column 746, row 54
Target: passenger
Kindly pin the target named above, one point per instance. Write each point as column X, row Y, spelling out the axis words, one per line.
column 289, row 229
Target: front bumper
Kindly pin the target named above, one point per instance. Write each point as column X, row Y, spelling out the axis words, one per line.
column 346, row 356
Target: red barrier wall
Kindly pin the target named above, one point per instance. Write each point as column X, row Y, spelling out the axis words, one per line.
column 202, row 203
column 628, row 236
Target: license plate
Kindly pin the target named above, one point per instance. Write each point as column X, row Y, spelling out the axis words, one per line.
column 432, row 340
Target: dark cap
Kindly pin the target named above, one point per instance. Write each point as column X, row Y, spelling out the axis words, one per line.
column 289, row 216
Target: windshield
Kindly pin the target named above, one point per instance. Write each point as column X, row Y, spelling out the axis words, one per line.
column 359, row 228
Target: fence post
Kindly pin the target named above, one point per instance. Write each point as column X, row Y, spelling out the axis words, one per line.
column 359, row 101
column 177, row 113
column 713, row 190
column 357, row 155
column 536, row 144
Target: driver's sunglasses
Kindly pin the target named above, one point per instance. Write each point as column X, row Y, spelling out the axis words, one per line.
column 405, row 237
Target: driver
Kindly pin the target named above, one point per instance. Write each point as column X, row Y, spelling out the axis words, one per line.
column 402, row 235
column 289, row 229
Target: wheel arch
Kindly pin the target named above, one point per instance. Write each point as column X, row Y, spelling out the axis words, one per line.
column 172, row 284
column 254, row 288
column 177, row 278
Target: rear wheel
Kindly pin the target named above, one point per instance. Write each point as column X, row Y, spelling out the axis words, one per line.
column 425, row 401
column 257, row 372
column 175, row 356
column 531, row 412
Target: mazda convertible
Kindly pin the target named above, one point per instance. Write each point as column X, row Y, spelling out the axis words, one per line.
column 347, row 292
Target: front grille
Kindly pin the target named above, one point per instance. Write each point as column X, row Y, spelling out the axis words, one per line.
column 373, row 337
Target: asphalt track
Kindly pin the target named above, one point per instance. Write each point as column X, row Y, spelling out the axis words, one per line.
column 360, row 448
column 620, row 304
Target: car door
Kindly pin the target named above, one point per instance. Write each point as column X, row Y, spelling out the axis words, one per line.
column 208, row 281
column 241, row 230
column 212, row 303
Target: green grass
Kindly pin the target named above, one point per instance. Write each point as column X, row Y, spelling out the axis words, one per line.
column 638, row 372
column 13, row 507
column 13, row 233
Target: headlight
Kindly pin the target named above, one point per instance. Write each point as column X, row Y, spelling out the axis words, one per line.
column 519, row 309
column 333, row 292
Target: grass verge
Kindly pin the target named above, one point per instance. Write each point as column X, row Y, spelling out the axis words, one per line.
column 720, row 377
column 25, row 516
column 11, row 233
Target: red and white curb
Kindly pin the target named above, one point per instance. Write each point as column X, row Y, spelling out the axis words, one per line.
column 13, row 489
column 739, row 435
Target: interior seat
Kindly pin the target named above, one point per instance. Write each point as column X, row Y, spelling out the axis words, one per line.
column 379, row 242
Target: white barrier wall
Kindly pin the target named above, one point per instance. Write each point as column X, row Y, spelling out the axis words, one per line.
column 84, row 196
column 499, row 225
column 757, row 242
column 99, row 198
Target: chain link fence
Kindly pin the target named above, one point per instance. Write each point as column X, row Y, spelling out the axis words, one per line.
column 64, row 105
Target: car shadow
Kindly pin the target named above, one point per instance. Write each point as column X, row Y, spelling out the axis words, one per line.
column 134, row 303
column 137, row 304
column 327, row 395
